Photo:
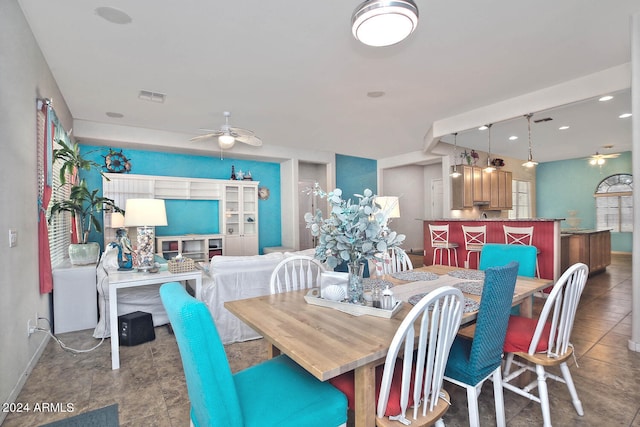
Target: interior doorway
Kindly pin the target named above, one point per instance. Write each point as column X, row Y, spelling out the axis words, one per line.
column 306, row 203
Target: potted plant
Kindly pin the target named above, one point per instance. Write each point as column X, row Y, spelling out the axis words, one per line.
column 83, row 203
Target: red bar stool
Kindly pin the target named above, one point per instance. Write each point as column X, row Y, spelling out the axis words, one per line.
column 520, row 236
column 474, row 239
column 440, row 242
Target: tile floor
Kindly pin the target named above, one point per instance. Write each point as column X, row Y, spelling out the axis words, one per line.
column 150, row 388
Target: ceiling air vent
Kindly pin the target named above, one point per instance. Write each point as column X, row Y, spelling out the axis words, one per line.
column 546, row 119
column 147, row 95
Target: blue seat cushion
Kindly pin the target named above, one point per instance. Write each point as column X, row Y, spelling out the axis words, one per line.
column 280, row 393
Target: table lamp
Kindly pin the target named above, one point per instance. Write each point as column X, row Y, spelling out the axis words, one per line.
column 145, row 214
column 389, row 205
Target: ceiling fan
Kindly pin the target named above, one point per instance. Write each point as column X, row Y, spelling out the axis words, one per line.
column 599, row 159
column 227, row 135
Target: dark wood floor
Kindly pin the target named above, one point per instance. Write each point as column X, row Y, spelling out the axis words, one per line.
column 150, row 388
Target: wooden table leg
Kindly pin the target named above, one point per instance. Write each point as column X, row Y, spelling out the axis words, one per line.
column 526, row 307
column 272, row 351
column 365, row 399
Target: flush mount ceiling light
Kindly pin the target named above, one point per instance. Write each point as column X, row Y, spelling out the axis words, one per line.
column 530, row 162
column 384, row 22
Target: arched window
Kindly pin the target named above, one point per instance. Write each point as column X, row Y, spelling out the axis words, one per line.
column 614, row 203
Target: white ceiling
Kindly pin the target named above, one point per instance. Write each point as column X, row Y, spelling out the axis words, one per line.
column 292, row 72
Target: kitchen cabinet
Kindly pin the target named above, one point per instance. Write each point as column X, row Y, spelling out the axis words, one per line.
column 475, row 187
column 501, row 192
column 241, row 218
column 198, row 247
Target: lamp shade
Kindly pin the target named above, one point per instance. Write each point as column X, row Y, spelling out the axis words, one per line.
column 145, row 212
column 384, row 22
column 389, row 205
column 117, row 220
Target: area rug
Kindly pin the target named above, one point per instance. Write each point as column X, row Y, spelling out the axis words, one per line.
column 103, row 417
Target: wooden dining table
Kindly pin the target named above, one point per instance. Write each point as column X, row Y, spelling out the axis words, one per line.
column 328, row 342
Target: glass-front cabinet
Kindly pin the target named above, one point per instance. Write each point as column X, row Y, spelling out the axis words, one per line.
column 241, row 218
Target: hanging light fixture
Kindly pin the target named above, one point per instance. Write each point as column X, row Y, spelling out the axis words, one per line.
column 490, row 168
column 455, row 173
column 384, row 22
column 530, row 162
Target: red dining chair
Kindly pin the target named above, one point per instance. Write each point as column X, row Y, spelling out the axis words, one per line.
column 546, row 341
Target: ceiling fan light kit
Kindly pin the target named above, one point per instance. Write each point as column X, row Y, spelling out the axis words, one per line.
column 384, row 22
column 228, row 136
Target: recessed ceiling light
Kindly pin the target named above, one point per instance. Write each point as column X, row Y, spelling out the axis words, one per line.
column 375, row 94
column 484, row 127
column 115, row 115
column 606, row 98
column 624, row 116
column 563, row 128
column 115, row 16
column 513, row 138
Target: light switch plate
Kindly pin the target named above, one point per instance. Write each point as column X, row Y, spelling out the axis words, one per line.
column 13, row 238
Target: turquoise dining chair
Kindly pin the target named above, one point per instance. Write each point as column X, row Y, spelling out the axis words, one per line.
column 277, row 392
column 496, row 254
column 472, row 362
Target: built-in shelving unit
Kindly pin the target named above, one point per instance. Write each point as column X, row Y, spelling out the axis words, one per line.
column 198, row 247
column 241, row 218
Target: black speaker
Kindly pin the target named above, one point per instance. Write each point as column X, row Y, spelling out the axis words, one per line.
column 136, row 328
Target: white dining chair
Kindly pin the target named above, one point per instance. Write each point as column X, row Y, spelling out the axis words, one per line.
column 475, row 238
column 296, row 272
column 440, row 243
column 416, row 375
column 546, row 342
column 393, row 261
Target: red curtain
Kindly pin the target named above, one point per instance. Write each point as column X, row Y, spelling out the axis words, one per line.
column 45, row 132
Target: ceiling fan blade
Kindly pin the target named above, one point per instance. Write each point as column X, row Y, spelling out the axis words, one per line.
column 206, row 136
column 250, row 140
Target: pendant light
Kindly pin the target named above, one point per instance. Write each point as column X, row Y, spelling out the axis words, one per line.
column 530, row 162
column 490, row 168
column 455, row 173
column 384, row 22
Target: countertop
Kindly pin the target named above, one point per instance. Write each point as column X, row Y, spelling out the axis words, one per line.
column 496, row 219
column 569, row 232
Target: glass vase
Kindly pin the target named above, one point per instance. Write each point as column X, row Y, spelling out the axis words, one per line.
column 355, row 291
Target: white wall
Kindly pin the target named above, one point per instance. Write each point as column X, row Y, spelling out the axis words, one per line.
column 24, row 76
column 412, row 184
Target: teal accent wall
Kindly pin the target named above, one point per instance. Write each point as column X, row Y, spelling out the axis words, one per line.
column 355, row 174
column 570, row 185
column 198, row 216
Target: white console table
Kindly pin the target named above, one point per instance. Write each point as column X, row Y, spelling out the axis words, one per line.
column 130, row 279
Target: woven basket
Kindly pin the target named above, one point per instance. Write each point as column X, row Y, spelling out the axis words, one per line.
column 181, row 266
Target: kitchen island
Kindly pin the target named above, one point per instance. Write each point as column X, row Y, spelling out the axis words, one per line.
column 546, row 237
column 591, row 247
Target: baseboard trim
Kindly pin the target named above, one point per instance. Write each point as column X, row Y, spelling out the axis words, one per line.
column 25, row 375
